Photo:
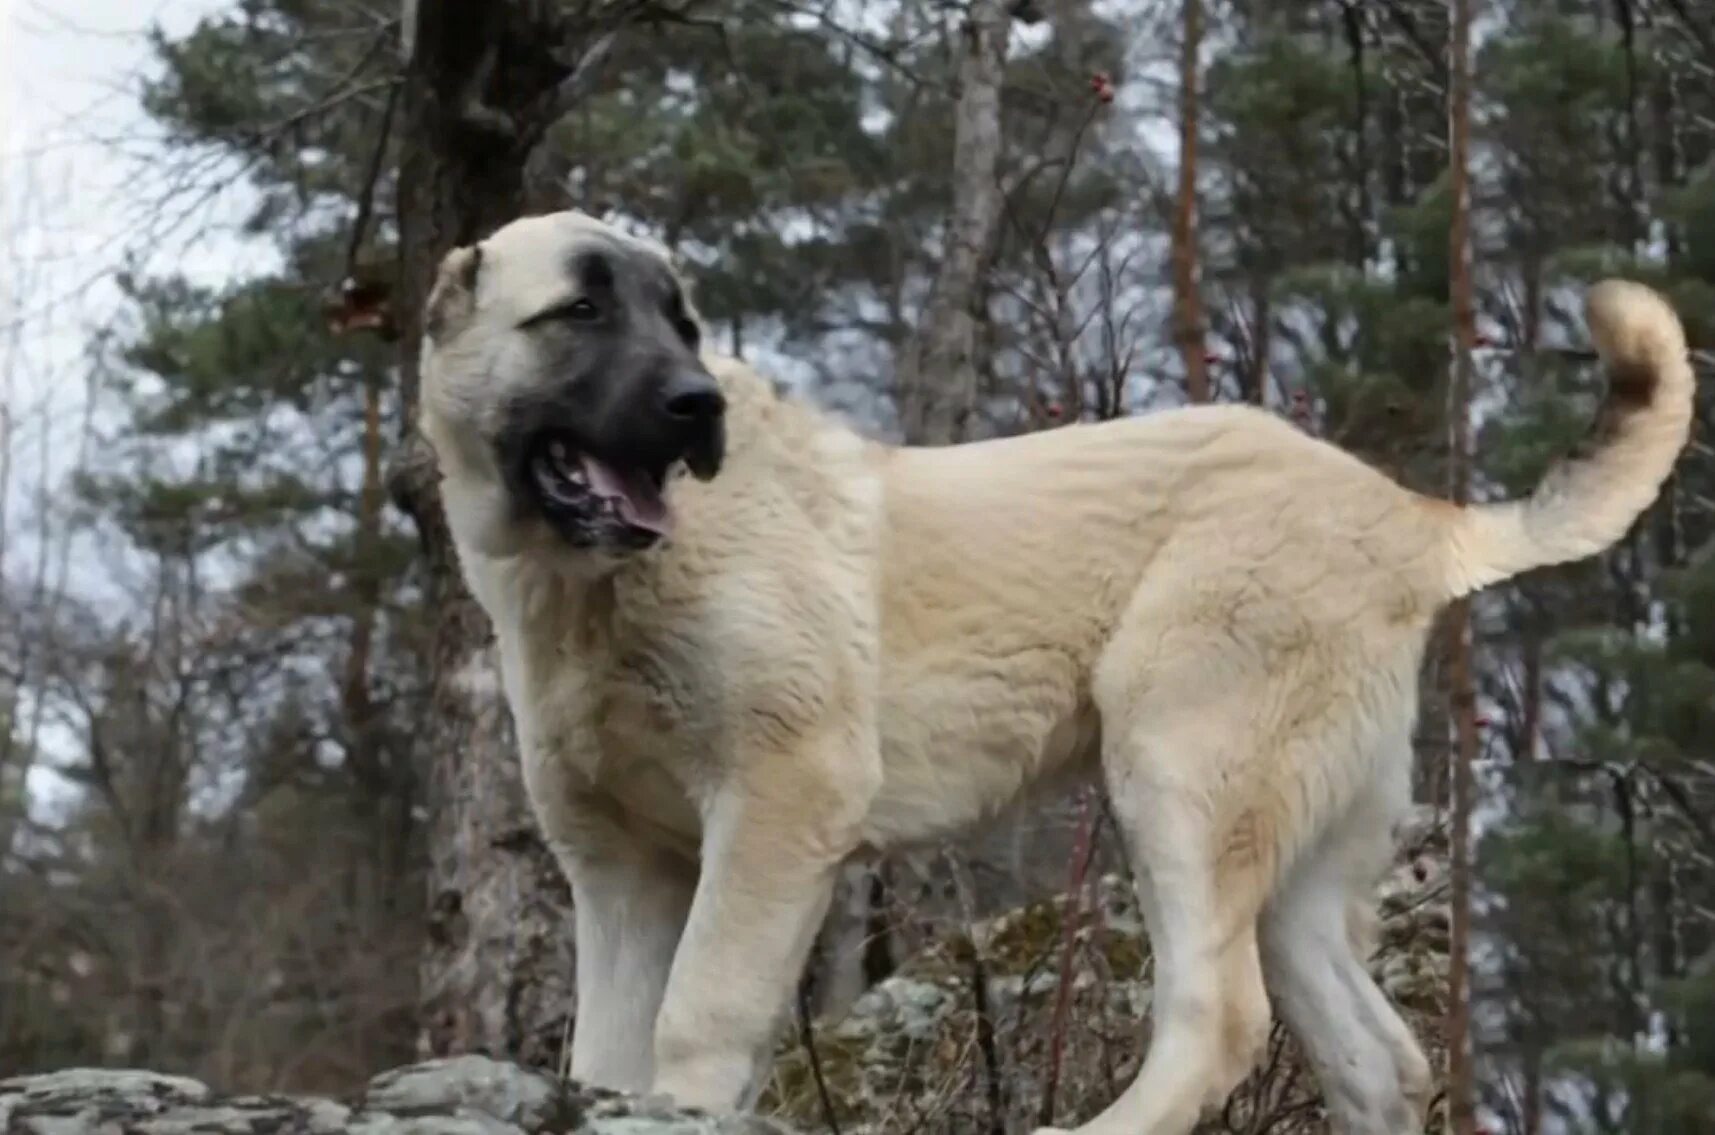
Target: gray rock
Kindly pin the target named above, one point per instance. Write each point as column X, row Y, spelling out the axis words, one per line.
column 467, row 1095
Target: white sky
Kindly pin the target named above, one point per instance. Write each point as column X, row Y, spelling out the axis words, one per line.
column 74, row 172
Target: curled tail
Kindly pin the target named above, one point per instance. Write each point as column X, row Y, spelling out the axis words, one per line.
column 1588, row 501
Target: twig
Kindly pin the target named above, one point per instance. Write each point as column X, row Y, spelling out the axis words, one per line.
column 584, row 73
column 1693, row 28
column 1082, row 850
column 366, row 196
column 985, row 1044
column 808, row 1037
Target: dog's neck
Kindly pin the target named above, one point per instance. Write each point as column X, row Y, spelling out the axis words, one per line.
column 574, row 594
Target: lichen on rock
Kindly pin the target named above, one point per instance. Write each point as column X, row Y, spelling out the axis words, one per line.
column 466, row 1095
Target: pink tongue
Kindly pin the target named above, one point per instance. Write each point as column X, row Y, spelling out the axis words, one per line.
column 640, row 504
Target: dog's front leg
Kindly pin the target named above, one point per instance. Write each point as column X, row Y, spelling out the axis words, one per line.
column 772, row 845
column 630, row 903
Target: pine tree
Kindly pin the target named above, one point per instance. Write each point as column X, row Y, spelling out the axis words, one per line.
column 1591, row 877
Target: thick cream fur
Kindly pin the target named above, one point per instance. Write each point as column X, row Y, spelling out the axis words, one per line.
column 847, row 648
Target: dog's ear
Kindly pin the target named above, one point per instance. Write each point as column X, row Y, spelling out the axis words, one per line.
column 688, row 296
column 676, row 265
column 453, row 297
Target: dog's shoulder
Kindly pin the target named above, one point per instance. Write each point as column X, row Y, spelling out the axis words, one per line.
column 810, row 476
column 775, row 560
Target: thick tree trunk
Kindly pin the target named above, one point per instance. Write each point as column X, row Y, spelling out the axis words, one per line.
column 938, row 372
column 1460, row 1096
column 1187, row 299
column 497, row 971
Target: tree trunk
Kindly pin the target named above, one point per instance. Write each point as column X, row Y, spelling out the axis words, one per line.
column 497, row 972
column 1460, row 1109
column 1262, row 340
column 1359, row 201
column 1187, row 300
column 1531, row 728
column 1532, row 1091
column 938, row 375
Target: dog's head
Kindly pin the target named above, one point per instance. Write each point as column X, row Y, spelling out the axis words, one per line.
column 562, row 385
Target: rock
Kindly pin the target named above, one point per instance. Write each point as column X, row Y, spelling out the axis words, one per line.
column 467, row 1095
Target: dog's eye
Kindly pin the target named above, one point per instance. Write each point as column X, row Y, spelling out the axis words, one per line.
column 580, row 310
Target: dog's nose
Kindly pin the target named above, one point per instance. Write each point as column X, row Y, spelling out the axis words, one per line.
column 693, row 398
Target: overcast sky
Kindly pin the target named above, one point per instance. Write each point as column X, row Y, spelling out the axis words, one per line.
column 76, row 180
column 75, row 176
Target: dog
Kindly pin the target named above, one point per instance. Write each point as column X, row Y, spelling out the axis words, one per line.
column 744, row 645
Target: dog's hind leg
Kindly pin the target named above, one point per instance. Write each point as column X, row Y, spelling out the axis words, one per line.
column 1202, row 874
column 1229, row 741
column 1373, row 1074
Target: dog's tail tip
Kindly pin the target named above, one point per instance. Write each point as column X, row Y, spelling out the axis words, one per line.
column 1639, row 337
column 1588, row 500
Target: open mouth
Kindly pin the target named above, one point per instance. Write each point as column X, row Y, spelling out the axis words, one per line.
column 578, row 485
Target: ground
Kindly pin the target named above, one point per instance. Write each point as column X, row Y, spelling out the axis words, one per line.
column 972, row 1035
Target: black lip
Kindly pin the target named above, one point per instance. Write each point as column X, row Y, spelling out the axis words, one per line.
column 620, row 432
column 585, row 521
column 706, row 454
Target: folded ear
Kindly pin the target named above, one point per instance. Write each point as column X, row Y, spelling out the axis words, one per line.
column 675, row 265
column 690, row 300
column 453, row 297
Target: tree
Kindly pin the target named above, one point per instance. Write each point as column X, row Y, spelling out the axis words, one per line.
column 1187, row 299
column 1463, row 693
column 1584, row 137
column 482, row 85
column 938, row 378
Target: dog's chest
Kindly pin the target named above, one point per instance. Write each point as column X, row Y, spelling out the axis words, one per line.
column 630, row 726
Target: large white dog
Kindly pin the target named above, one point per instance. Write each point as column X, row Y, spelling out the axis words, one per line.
column 818, row 647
